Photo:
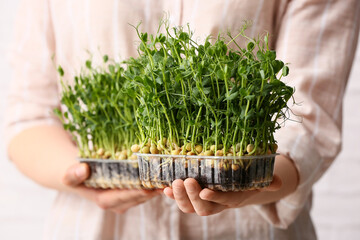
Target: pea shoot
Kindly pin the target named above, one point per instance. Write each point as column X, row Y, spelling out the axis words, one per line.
column 207, row 99
column 99, row 113
column 180, row 97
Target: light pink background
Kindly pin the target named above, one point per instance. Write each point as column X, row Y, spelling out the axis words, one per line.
column 336, row 211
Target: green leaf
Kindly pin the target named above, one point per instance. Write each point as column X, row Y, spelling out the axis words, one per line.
column 184, row 36
column 220, row 74
column 60, row 71
column 207, row 90
column 58, row 113
column 159, row 80
column 285, row 71
column 105, row 58
column 262, row 74
column 88, row 64
column 277, row 65
column 271, row 55
column 266, row 40
column 144, row 37
column 250, row 114
column 232, row 96
column 250, row 97
column 243, row 92
column 260, row 55
column 250, row 46
column 158, row 57
column 111, row 68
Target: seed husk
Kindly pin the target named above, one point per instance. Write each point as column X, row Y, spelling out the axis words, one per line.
column 153, row 149
column 250, row 147
column 117, row 154
column 145, row 149
column 219, row 153
column 190, row 153
column 235, row 167
column 175, row 152
column 159, row 146
column 238, row 147
column 198, row 148
column 122, row 156
column 274, row 147
column 209, row 153
column 86, row 154
column 135, row 148
column 259, row 151
column 133, row 157
column 175, row 146
column 107, row 154
column 100, row 152
column 226, row 166
column 162, row 142
column 188, row 147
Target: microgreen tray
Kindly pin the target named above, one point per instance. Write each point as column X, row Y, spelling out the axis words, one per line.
column 230, row 173
column 107, row 173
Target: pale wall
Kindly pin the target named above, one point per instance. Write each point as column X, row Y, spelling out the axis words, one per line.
column 24, row 205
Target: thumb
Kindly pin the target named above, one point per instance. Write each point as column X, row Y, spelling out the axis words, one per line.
column 76, row 174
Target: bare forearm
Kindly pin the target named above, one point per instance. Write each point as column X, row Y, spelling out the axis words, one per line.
column 285, row 169
column 43, row 153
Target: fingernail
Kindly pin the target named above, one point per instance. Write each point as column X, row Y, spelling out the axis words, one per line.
column 80, row 171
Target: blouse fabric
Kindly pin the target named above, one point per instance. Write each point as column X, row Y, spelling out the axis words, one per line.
column 317, row 37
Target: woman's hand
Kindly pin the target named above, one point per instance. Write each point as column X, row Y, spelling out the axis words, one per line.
column 116, row 200
column 31, row 151
column 191, row 198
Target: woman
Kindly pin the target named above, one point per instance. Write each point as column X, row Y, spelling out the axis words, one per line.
column 318, row 38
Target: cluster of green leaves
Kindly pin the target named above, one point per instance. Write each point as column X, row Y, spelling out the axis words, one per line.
column 182, row 92
column 206, row 93
column 98, row 110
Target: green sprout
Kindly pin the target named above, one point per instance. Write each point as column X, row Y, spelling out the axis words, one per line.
column 226, row 101
column 180, row 97
column 99, row 113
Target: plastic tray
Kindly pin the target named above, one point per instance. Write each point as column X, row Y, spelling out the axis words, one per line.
column 213, row 172
column 107, row 173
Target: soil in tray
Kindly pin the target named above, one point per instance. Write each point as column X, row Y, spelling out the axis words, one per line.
column 217, row 174
column 113, row 175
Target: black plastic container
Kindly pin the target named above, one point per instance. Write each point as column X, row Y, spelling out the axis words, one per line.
column 107, row 173
column 230, row 173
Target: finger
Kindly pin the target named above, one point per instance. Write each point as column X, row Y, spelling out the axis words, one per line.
column 169, row 193
column 202, row 207
column 230, row 199
column 76, row 174
column 88, row 193
column 274, row 186
column 122, row 208
column 113, row 198
column 181, row 196
column 108, row 199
